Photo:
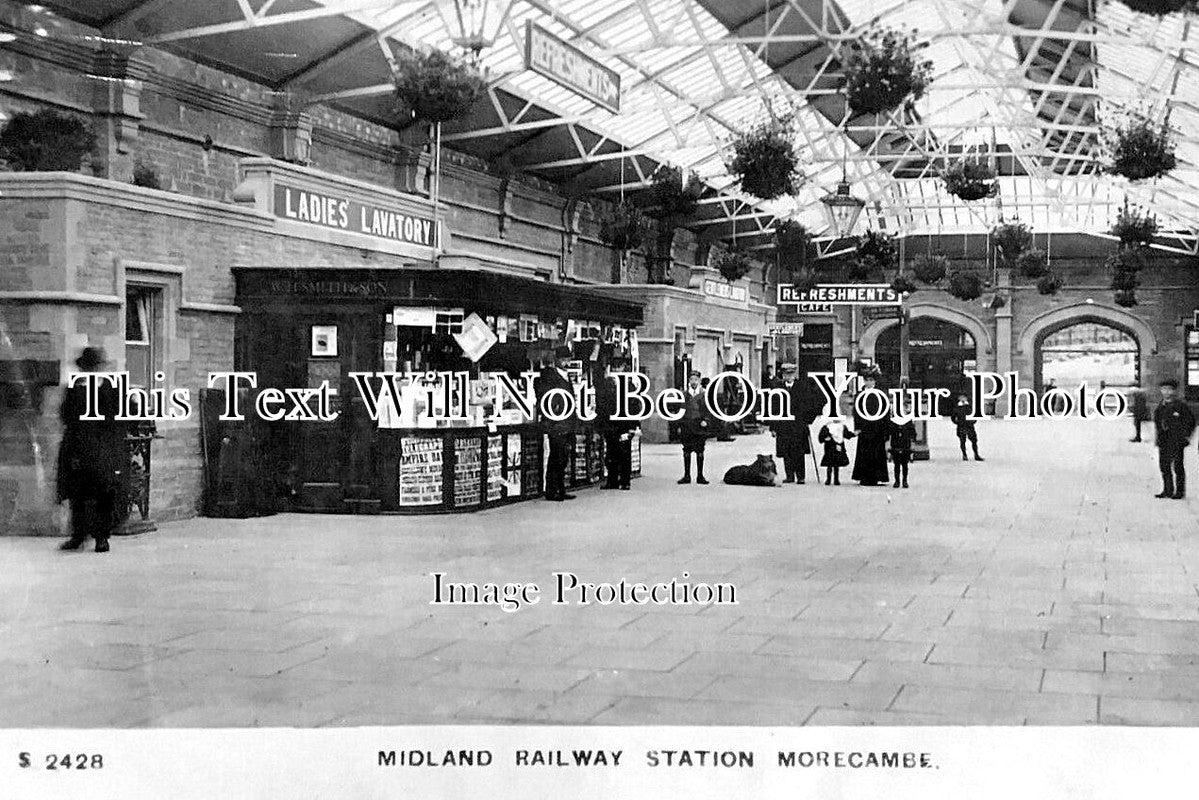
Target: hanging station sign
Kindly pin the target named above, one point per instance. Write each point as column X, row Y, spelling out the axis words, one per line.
column 841, row 294
column 569, row 66
column 345, row 214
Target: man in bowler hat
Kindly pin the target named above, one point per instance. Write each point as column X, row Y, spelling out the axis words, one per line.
column 560, row 432
column 93, row 459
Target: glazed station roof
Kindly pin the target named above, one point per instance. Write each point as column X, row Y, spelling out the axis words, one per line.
column 1031, row 82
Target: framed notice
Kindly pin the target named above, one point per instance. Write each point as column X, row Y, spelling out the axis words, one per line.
column 324, row 340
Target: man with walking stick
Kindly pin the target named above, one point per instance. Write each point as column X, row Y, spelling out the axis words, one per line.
column 792, row 437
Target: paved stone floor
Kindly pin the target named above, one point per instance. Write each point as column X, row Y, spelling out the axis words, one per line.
column 1043, row 587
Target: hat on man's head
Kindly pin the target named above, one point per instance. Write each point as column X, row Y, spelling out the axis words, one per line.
column 91, row 357
column 1173, row 384
column 787, row 367
column 562, row 351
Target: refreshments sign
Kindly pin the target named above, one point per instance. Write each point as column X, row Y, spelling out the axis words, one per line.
column 841, row 294
column 562, row 63
column 344, row 214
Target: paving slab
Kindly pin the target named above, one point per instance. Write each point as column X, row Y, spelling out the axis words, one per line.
column 1029, row 589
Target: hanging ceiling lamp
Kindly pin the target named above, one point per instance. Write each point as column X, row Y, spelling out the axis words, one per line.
column 843, row 209
column 473, row 24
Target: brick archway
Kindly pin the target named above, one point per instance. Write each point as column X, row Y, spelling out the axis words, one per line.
column 982, row 335
column 1050, row 322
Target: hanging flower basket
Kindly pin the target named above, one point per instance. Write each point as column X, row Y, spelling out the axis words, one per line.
column 1011, row 240
column 1126, row 259
column 1050, row 283
column 877, row 251
column 672, row 197
column 859, row 270
column 1126, row 299
column 733, row 265
column 970, row 179
column 1124, row 280
column 1158, row 8
column 1141, row 150
column 930, row 267
column 1033, row 264
column 44, row 141
column 436, row 87
column 965, row 286
column 805, row 279
column 902, row 285
column 766, row 161
column 791, row 241
column 1134, row 228
column 884, row 71
column 625, row 228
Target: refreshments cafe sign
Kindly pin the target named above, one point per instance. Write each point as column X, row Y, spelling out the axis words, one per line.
column 562, row 63
column 841, row 294
column 346, row 214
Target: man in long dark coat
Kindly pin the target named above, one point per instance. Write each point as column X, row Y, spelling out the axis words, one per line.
column 870, row 459
column 1173, row 423
column 792, row 439
column 560, row 432
column 93, row 459
column 618, row 434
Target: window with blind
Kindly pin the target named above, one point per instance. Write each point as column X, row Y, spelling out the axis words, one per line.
column 142, row 337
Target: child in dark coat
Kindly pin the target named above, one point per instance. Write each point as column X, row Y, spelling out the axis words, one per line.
column 833, row 435
column 901, row 435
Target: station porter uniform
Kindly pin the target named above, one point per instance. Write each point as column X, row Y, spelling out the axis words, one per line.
column 1174, row 424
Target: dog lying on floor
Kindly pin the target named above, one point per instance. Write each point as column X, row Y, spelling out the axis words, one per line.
column 762, row 472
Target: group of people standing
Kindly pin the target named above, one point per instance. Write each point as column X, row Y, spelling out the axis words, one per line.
column 879, row 441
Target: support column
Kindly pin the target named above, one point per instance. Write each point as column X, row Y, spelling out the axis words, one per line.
column 414, row 161
column 291, row 131
column 116, row 99
column 1003, row 334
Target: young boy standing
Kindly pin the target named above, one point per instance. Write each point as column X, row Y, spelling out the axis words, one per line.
column 965, row 427
column 694, row 428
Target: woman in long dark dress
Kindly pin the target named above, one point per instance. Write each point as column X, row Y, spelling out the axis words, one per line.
column 870, row 461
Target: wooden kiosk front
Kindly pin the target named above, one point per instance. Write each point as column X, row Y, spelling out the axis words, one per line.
column 301, row 327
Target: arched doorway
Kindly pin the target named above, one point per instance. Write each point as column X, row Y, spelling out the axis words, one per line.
column 940, row 353
column 1088, row 350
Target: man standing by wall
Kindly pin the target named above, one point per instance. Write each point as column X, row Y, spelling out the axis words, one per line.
column 1174, row 423
column 93, row 459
